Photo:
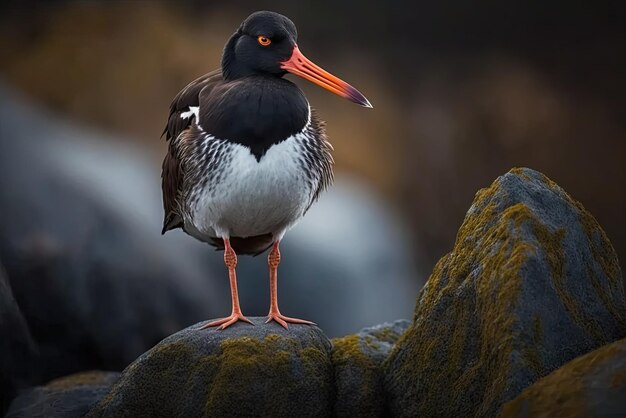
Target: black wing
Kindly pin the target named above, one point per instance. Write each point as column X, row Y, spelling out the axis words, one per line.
column 172, row 174
column 189, row 96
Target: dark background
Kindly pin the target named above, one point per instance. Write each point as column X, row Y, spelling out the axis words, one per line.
column 462, row 92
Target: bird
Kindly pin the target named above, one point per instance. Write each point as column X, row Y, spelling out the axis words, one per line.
column 247, row 156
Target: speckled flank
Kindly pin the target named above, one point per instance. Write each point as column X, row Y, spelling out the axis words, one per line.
column 227, row 191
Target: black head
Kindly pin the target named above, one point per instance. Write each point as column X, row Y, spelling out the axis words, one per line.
column 263, row 41
column 266, row 44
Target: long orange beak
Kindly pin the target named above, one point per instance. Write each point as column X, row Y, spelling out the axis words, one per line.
column 300, row 65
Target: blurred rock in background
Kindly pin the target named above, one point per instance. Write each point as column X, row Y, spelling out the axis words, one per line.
column 69, row 396
column 94, row 283
column 16, row 346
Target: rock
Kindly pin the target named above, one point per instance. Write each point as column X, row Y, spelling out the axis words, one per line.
column 17, row 348
column 532, row 282
column 67, row 397
column 357, row 360
column 243, row 370
column 592, row 385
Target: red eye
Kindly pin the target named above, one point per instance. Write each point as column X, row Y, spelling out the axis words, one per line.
column 264, row 40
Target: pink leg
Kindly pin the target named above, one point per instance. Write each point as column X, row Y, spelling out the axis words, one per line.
column 230, row 259
column 273, row 261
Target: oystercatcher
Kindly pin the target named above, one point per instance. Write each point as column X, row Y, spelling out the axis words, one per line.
column 247, row 155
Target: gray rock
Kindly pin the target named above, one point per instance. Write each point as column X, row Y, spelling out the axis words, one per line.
column 357, row 360
column 67, row 397
column 16, row 346
column 532, row 282
column 244, row 370
column 592, row 385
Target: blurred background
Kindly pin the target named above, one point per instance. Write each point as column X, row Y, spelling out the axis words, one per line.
column 462, row 92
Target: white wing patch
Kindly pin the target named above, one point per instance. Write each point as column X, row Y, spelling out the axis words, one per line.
column 193, row 111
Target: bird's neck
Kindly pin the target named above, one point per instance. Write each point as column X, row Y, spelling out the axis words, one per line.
column 232, row 68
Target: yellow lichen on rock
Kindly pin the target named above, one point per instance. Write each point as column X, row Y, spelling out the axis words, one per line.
column 484, row 322
column 244, row 360
column 349, row 347
column 89, row 378
column 357, row 361
column 487, row 254
column 530, row 350
column 569, row 391
column 261, row 370
column 603, row 254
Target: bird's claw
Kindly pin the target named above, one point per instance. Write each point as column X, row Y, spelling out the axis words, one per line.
column 228, row 321
column 284, row 320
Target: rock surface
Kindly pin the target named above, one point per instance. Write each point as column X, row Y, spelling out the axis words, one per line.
column 593, row 385
column 357, row 360
column 244, row 370
column 532, row 282
column 67, row 397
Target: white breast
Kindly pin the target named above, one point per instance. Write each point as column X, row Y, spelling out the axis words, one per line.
column 254, row 197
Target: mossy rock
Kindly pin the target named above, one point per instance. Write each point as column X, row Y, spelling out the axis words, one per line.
column 357, row 360
column 532, row 282
column 593, row 385
column 244, row 370
column 67, row 397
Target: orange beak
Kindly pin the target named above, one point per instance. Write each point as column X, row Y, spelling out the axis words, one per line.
column 300, row 65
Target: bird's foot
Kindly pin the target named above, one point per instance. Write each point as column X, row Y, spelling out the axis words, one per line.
column 228, row 321
column 283, row 320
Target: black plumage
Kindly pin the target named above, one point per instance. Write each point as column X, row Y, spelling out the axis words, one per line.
column 247, row 156
column 245, row 102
